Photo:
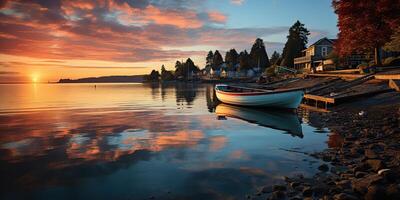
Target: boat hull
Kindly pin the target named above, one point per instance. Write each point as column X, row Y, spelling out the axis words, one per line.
column 287, row 99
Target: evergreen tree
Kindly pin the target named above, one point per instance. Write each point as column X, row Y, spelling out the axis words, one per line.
column 209, row 59
column 231, row 59
column 191, row 67
column 275, row 58
column 296, row 42
column 165, row 74
column 185, row 69
column 217, row 60
column 154, row 75
column 163, row 70
column 244, row 61
column 178, row 69
column 259, row 55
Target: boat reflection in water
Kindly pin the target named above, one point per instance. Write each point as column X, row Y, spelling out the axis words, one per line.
column 276, row 119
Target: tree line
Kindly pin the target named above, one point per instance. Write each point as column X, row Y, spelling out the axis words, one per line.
column 296, row 42
column 242, row 61
column 357, row 34
column 183, row 71
column 234, row 61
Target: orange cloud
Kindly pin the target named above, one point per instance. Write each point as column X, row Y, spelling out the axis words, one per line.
column 185, row 19
column 217, row 17
column 116, row 31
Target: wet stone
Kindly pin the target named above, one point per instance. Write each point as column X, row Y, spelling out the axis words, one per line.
column 344, row 196
column 360, row 174
column 323, row 167
column 320, row 190
column 279, row 188
column 294, row 184
column 343, row 183
column 375, row 192
column 307, row 192
column 375, row 164
column 388, row 175
column 266, row 189
column 393, row 191
column 369, row 153
column 277, row 195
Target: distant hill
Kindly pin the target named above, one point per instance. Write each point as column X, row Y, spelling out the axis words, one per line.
column 106, row 79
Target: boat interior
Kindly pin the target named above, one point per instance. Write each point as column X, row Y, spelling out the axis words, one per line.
column 227, row 88
column 241, row 89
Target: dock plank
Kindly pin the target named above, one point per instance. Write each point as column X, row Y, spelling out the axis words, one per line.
column 319, row 98
column 387, row 76
column 346, row 76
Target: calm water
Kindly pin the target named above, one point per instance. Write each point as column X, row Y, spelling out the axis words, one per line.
column 134, row 141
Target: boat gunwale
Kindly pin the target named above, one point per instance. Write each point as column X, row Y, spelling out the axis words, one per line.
column 256, row 93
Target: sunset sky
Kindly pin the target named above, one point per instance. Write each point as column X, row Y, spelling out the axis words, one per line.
column 51, row 39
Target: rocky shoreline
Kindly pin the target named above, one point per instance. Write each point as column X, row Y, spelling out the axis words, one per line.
column 363, row 161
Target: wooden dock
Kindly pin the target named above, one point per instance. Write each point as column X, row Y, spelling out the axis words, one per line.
column 387, row 76
column 335, row 87
column 335, row 91
column 342, row 75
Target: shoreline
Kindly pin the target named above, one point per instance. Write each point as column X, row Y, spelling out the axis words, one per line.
column 363, row 161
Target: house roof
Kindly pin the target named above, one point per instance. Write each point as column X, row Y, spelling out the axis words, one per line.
column 322, row 39
column 332, row 41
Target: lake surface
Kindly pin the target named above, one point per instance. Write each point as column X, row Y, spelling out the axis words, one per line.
column 135, row 141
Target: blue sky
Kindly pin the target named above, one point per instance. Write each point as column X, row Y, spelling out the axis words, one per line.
column 317, row 15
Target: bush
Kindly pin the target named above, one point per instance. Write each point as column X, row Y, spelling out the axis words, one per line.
column 366, row 68
column 270, row 71
column 391, row 61
column 362, row 67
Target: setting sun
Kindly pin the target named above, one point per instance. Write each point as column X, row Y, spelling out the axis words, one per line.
column 35, row 78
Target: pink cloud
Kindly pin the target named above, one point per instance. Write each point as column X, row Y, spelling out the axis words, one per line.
column 217, row 17
column 185, row 19
column 237, row 2
column 116, row 31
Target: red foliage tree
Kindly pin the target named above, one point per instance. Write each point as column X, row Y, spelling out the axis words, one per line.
column 365, row 25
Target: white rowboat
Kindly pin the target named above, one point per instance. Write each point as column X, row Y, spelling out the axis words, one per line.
column 288, row 98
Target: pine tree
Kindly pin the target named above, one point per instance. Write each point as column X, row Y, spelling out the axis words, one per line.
column 217, row 60
column 163, row 70
column 296, row 42
column 231, row 59
column 178, row 68
column 190, row 66
column 209, row 59
column 244, row 61
column 165, row 74
column 154, row 75
column 274, row 58
column 259, row 55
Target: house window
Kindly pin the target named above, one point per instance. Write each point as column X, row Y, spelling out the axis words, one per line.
column 324, row 51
